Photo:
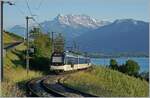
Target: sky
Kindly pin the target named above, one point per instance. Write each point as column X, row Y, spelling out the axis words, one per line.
column 106, row 10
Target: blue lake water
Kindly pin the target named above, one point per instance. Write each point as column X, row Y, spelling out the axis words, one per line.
column 142, row 61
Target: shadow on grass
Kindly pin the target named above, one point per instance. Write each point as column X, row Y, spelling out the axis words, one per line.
column 21, row 55
column 38, row 64
column 18, row 63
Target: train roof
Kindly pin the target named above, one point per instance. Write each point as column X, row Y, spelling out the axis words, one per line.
column 70, row 54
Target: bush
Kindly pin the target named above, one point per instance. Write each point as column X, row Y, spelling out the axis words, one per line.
column 113, row 64
column 131, row 68
column 40, row 63
column 41, row 56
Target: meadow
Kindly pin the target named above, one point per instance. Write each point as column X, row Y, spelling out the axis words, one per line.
column 105, row 82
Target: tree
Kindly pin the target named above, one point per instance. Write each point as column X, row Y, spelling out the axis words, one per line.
column 42, row 49
column 113, row 64
column 42, row 45
column 59, row 43
column 34, row 33
column 40, row 42
column 131, row 67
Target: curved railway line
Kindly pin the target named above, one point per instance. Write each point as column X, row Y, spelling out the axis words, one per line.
column 50, row 86
column 35, row 89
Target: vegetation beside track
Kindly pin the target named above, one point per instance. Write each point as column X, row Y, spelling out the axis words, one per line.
column 15, row 75
column 106, row 82
column 10, row 37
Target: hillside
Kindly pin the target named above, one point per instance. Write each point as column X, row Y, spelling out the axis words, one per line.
column 7, row 38
column 105, row 82
column 15, row 75
column 126, row 35
column 11, row 37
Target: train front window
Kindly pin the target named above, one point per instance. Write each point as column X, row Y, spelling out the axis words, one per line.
column 57, row 59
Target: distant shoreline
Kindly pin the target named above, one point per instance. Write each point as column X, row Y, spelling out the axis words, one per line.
column 121, row 57
column 142, row 61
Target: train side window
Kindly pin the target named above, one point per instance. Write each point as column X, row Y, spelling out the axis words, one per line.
column 76, row 61
column 69, row 60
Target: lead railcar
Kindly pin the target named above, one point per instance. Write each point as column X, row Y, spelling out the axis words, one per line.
column 68, row 61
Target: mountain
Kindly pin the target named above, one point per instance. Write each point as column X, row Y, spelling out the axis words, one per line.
column 124, row 35
column 72, row 25
column 69, row 25
column 19, row 30
column 76, row 21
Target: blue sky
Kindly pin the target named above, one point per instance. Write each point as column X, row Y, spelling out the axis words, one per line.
column 108, row 10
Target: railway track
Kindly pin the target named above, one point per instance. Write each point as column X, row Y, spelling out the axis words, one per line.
column 35, row 89
column 50, row 86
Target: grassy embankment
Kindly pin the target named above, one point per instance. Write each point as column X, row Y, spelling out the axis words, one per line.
column 106, row 82
column 7, row 38
column 14, row 72
column 10, row 38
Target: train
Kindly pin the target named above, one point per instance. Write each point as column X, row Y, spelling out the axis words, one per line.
column 68, row 61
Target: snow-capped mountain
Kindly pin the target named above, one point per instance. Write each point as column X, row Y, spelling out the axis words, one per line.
column 69, row 25
column 79, row 20
column 72, row 25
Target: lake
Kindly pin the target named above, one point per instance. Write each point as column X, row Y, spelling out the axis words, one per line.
column 142, row 61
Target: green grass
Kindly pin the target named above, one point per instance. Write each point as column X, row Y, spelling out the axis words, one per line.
column 7, row 38
column 106, row 82
column 10, row 38
column 15, row 75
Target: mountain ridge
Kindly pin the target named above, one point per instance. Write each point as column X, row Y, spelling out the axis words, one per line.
column 70, row 25
column 127, row 35
column 96, row 36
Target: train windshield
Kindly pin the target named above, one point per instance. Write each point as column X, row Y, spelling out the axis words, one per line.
column 57, row 59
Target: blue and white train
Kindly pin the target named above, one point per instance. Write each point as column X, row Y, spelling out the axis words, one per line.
column 68, row 61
